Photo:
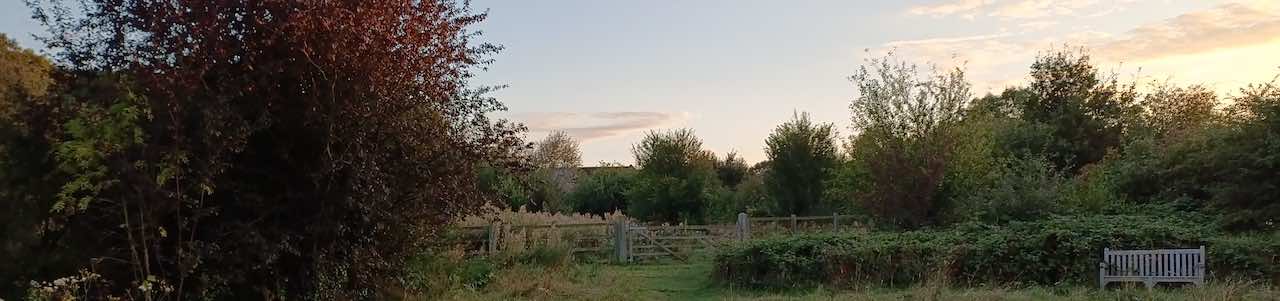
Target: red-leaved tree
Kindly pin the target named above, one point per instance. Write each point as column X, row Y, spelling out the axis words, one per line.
column 268, row 149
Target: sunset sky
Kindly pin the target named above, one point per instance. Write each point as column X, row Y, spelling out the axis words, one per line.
column 732, row 70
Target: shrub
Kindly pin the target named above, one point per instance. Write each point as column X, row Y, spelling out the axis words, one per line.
column 602, row 192
column 544, row 255
column 1055, row 251
column 1016, row 189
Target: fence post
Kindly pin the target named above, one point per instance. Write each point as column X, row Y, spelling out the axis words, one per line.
column 835, row 224
column 494, row 228
column 793, row 223
column 744, row 226
column 620, row 241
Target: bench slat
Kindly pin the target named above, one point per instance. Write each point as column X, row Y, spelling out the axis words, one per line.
column 1151, row 266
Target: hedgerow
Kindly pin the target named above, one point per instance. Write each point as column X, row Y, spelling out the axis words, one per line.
column 1058, row 250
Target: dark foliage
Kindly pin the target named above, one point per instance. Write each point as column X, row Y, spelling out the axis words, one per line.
column 1051, row 252
column 677, row 178
column 801, row 155
column 264, row 150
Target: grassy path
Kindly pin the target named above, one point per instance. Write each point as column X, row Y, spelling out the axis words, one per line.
column 692, row 281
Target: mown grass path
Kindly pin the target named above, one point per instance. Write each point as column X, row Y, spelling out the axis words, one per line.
column 687, row 281
column 692, row 281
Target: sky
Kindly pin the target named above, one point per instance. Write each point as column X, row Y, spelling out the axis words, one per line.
column 606, row 72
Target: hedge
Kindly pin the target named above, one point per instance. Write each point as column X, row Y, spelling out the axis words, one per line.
column 1059, row 250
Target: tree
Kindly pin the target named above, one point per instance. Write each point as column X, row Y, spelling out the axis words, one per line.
column 904, row 142
column 1172, row 111
column 1246, row 163
column 558, row 150
column 507, row 186
column 676, row 180
column 28, row 177
column 25, row 78
column 557, row 159
column 732, row 170
column 603, row 191
column 277, row 150
column 801, row 155
column 1088, row 114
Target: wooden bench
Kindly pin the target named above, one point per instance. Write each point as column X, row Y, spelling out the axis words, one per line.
column 1152, row 266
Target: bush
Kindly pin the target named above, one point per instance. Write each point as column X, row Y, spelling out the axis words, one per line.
column 1015, row 189
column 602, row 192
column 1055, row 251
column 438, row 272
column 544, row 256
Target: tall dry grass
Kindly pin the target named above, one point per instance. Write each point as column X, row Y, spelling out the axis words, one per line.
column 518, row 232
column 522, row 217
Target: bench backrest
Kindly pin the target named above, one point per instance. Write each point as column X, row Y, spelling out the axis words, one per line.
column 1171, row 263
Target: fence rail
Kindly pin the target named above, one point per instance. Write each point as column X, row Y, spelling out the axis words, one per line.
column 626, row 241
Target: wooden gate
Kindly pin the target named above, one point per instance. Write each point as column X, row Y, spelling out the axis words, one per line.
column 643, row 243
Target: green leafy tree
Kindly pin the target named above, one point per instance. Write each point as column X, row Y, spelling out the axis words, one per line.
column 1241, row 164
column 904, row 122
column 603, row 191
column 506, row 186
column 29, row 179
column 801, row 155
column 732, row 170
column 677, row 178
column 1088, row 114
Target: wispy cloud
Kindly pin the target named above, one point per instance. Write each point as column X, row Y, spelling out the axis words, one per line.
column 597, row 125
column 1034, row 9
column 966, row 8
column 982, row 55
column 944, row 41
column 1225, row 26
column 998, row 60
column 1019, row 9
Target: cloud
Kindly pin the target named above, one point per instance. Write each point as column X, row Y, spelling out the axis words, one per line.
column 964, row 7
column 996, row 60
column 945, row 41
column 981, row 55
column 597, row 125
column 1225, row 26
column 1034, row 9
column 1037, row 25
column 1019, row 9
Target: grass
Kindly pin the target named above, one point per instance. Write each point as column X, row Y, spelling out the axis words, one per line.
column 692, row 281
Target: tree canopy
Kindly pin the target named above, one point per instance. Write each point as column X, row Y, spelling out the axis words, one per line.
column 801, row 153
column 220, row 148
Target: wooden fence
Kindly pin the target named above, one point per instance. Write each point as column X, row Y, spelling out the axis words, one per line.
column 579, row 238
column 749, row 227
column 626, row 241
